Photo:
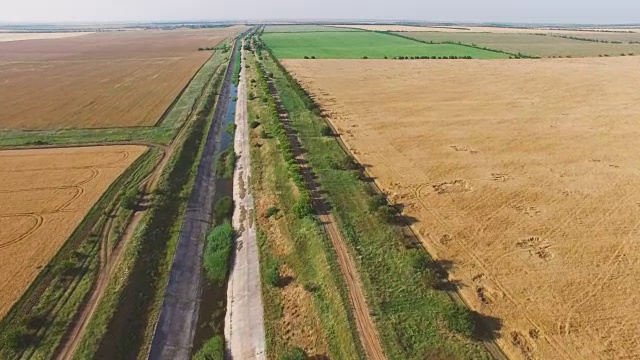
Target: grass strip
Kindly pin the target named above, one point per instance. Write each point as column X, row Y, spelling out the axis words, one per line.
column 277, row 188
column 415, row 320
column 217, row 251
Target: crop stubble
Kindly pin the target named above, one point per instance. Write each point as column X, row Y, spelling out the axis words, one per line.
column 45, row 195
column 109, row 79
column 524, row 173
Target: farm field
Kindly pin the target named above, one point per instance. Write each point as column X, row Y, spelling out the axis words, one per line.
column 8, row 36
column 74, row 82
column 393, row 27
column 357, row 44
column 529, row 190
column 302, row 28
column 45, row 195
column 530, row 44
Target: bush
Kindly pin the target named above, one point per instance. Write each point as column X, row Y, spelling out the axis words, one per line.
column 264, row 134
column 213, row 349
column 313, row 57
column 377, row 201
column 272, row 211
column 130, row 199
column 272, row 274
column 387, row 213
column 217, row 250
column 460, row 320
column 326, row 131
column 349, row 163
column 223, row 208
column 295, row 353
column 303, row 207
column 254, row 124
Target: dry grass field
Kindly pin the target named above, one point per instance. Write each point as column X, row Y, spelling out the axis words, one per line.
column 110, row 79
column 9, row 36
column 524, row 174
column 45, row 195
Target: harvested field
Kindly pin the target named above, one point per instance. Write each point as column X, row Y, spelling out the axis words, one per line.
column 531, row 44
column 530, row 190
column 8, row 36
column 110, row 79
column 358, row 44
column 45, row 195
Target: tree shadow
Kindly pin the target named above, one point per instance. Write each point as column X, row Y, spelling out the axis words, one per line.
column 487, row 327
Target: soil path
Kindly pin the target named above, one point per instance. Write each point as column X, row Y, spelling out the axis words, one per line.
column 244, row 321
column 366, row 328
column 175, row 330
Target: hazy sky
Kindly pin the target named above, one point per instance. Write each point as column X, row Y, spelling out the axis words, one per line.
column 549, row 11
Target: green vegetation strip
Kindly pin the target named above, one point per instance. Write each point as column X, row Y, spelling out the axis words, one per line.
column 217, row 251
column 414, row 319
column 363, row 44
column 310, row 258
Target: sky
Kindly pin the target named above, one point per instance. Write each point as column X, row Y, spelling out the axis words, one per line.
column 507, row 11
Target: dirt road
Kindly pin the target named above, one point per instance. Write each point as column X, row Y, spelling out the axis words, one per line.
column 244, row 321
column 175, row 330
column 366, row 328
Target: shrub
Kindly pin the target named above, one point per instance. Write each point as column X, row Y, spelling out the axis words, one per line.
column 130, row 199
column 251, row 96
column 349, row 163
column 295, row 353
column 272, row 211
column 264, row 134
column 460, row 320
column 313, row 57
column 326, row 131
column 213, row 349
column 387, row 213
column 272, row 274
column 254, row 124
column 306, row 57
column 365, row 57
column 217, row 250
column 377, row 201
column 223, row 208
column 303, row 207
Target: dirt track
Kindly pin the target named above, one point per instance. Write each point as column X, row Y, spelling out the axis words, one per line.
column 521, row 173
column 364, row 323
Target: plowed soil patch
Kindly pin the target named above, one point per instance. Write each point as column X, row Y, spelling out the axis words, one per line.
column 523, row 173
column 110, row 79
column 45, row 194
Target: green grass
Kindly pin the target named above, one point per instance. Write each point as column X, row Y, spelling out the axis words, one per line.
column 358, row 44
column 213, row 349
column 303, row 28
column 530, row 44
column 414, row 320
column 310, row 257
column 217, row 250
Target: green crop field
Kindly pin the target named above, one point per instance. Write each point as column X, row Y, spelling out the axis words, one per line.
column 530, row 44
column 358, row 44
column 303, row 28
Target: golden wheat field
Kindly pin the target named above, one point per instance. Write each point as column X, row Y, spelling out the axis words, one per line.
column 45, row 195
column 525, row 174
column 101, row 80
